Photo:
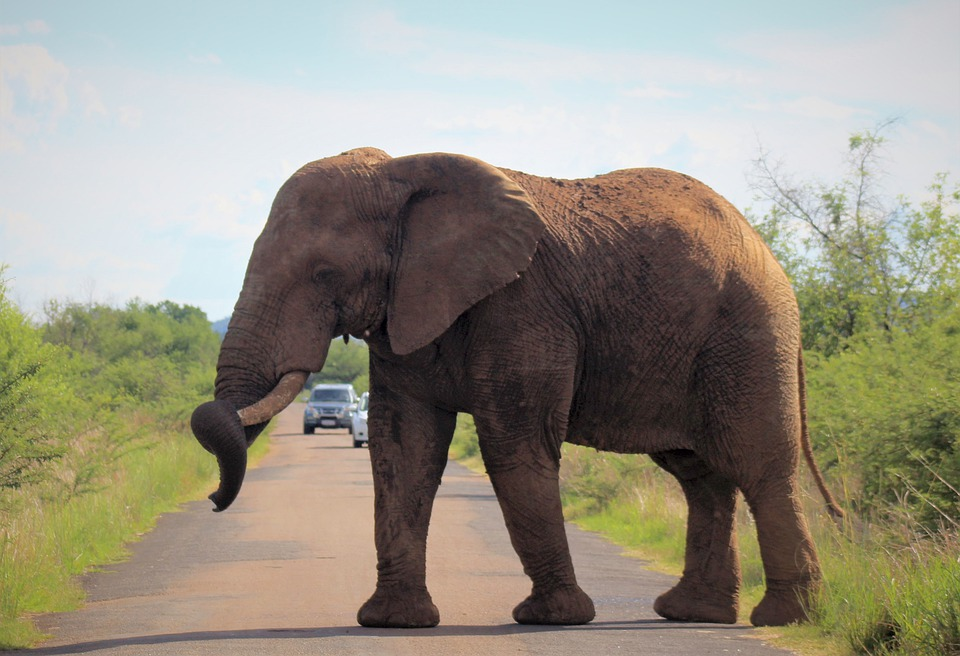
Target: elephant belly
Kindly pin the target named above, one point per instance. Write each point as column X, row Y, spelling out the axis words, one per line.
column 630, row 433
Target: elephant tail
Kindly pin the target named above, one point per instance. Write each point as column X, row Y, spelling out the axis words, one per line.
column 833, row 508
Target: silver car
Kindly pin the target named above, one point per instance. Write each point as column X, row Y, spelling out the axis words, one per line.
column 330, row 406
column 360, row 421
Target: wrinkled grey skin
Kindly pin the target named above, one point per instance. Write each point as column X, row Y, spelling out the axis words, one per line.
column 634, row 312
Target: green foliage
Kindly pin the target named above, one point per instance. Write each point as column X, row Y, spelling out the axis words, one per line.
column 29, row 436
column 861, row 262
column 590, row 481
column 94, row 407
column 888, row 408
column 465, row 447
column 878, row 283
column 138, row 354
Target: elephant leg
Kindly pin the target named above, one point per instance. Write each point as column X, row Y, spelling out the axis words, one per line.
column 790, row 563
column 748, row 388
column 709, row 589
column 527, row 485
column 408, row 450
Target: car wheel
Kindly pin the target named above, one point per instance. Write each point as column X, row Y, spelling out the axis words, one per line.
column 308, row 430
column 357, row 444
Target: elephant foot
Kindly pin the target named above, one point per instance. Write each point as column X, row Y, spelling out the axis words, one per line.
column 399, row 607
column 567, row 605
column 783, row 603
column 692, row 603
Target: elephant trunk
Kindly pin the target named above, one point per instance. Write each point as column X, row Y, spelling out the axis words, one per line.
column 219, row 427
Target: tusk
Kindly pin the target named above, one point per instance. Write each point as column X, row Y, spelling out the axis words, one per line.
column 279, row 398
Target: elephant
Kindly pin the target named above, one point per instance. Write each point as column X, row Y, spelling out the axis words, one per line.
column 634, row 312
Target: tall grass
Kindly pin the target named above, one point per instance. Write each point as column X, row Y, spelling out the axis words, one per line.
column 890, row 588
column 50, row 539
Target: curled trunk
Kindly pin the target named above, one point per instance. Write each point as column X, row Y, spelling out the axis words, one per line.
column 219, row 427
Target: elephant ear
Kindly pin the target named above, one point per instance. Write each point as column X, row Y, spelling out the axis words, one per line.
column 466, row 230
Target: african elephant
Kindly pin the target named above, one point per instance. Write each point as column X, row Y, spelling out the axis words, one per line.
column 634, row 312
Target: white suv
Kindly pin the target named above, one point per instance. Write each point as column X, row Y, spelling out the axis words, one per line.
column 360, row 421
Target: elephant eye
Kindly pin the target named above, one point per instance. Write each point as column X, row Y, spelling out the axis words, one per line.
column 322, row 275
column 326, row 276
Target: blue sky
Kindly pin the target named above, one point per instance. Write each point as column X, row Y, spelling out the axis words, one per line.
column 141, row 144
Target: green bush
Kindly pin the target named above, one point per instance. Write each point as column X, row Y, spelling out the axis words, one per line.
column 30, row 392
column 94, row 443
column 887, row 412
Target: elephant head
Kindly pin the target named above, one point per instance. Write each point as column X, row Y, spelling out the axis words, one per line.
column 359, row 244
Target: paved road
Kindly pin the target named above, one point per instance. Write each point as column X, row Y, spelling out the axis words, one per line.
column 285, row 569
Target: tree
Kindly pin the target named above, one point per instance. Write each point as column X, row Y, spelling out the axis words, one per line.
column 858, row 260
column 878, row 283
column 29, row 439
column 890, row 409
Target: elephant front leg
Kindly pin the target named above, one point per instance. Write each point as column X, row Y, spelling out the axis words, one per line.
column 408, row 451
column 529, row 496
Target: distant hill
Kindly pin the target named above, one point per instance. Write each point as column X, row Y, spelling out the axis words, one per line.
column 220, row 327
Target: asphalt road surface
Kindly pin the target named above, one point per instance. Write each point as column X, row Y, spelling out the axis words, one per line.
column 285, row 569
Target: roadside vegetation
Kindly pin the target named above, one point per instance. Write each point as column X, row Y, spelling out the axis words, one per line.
column 94, row 442
column 878, row 281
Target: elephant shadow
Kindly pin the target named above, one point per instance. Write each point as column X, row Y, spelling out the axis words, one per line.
column 451, row 630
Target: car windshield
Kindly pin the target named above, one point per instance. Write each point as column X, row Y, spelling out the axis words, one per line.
column 364, row 402
column 330, row 395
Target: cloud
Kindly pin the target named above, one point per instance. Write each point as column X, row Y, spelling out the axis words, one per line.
column 228, row 217
column 91, row 100
column 33, row 92
column 810, row 107
column 37, row 27
column 909, row 58
column 184, row 200
column 30, row 27
column 130, row 116
column 512, row 119
column 106, row 258
column 650, row 92
column 466, row 55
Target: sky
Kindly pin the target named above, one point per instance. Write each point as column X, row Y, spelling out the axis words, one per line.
column 141, row 144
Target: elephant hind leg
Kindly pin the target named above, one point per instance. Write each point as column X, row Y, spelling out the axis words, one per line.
column 530, row 500
column 709, row 589
column 790, row 562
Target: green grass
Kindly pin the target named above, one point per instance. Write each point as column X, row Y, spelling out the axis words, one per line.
column 891, row 589
column 46, row 543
